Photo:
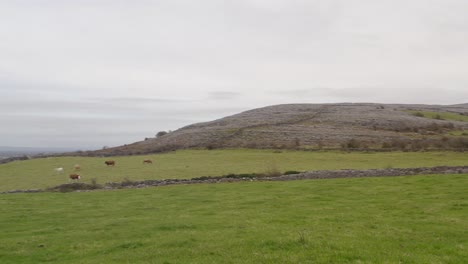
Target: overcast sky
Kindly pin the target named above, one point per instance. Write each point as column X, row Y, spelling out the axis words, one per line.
column 93, row 73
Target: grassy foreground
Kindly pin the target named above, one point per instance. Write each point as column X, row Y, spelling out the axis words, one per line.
column 418, row 219
column 39, row 173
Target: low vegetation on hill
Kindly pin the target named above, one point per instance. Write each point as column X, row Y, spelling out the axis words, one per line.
column 461, row 116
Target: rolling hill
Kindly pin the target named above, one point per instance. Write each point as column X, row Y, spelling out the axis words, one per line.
column 342, row 125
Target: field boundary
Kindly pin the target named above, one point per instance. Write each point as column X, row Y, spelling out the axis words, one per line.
column 309, row 175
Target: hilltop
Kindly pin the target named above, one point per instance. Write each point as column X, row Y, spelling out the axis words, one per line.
column 316, row 126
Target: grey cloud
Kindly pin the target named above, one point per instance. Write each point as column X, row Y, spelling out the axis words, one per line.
column 401, row 94
column 131, row 100
column 305, row 92
column 170, row 63
column 65, row 107
column 221, row 95
column 379, row 94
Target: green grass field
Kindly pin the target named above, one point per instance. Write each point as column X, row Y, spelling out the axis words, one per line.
column 417, row 219
column 440, row 115
column 458, row 133
column 39, row 173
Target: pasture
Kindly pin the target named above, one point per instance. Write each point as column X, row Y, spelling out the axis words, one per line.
column 440, row 115
column 417, row 219
column 39, row 173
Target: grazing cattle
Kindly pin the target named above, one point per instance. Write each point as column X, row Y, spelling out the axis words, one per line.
column 77, row 167
column 147, row 161
column 109, row 162
column 58, row 170
column 74, row 176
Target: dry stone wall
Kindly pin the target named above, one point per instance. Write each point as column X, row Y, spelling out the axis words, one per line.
column 326, row 174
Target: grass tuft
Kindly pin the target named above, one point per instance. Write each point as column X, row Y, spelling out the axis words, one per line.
column 302, row 237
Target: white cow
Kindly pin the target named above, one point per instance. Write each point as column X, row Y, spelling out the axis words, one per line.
column 58, row 170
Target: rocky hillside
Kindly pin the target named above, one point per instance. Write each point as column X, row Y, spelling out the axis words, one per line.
column 345, row 125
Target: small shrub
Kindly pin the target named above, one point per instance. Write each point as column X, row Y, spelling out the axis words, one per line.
column 297, row 142
column 353, row 144
column 161, row 133
column 272, row 170
column 320, row 145
column 460, row 143
column 127, row 182
column 291, row 172
column 251, row 145
column 435, row 128
column 202, row 178
column 212, row 146
column 71, row 187
column 419, row 145
column 399, row 143
column 94, row 184
column 284, row 146
column 240, row 176
column 418, row 114
column 386, row 145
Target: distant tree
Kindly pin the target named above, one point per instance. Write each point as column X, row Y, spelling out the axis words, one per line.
column 161, row 133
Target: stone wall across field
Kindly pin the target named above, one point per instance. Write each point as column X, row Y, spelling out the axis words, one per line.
column 372, row 173
column 300, row 176
column 325, row 174
column 11, row 159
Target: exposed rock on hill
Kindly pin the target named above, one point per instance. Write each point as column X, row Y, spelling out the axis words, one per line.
column 310, row 126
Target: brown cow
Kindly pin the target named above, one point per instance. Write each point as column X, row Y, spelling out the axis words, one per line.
column 75, row 176
column 147, row 161
column 109, row 162
column 77, row 167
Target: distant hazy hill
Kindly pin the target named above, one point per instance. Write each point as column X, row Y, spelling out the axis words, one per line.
column 9, row 151
column 313, row 126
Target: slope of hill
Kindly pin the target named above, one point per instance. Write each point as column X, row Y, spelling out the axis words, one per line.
column 312, row 126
